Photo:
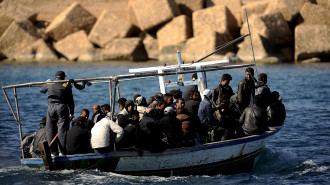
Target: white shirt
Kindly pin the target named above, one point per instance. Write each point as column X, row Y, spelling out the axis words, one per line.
column 101, row 133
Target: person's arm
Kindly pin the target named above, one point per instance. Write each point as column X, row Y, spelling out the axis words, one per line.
column 116, row 129
column 242, row 118
column 70, row 99
column 44, row 88
column 240, row 92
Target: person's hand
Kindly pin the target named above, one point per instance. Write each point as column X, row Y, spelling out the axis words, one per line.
column 71, row 81
column 71, row 117
column 88, row 83
column 48, row 80
column 84, row 82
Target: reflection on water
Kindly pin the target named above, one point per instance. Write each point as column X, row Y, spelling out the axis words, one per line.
column 299, row 153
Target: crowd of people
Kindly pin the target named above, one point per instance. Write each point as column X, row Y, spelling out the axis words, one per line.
column 165, row 121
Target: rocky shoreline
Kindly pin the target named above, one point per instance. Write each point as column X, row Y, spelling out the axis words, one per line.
column 141, row 30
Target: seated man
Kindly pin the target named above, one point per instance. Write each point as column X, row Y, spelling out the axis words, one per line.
column 253, row 119
column 77, row 138
column 172, row 128
column 97, row 113
column 38, row 137
column 192, row 104
column 101, row 135
column 276, row 110
column 141, row 105
column 150, row 134
column 129, row 139
column 189, row 88
column 125, row 114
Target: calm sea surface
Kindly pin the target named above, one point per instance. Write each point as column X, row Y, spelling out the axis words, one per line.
column 298, row 154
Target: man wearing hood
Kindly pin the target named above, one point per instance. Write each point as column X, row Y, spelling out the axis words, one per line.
column 125, row 114
column 172, row 128
column 262, row 90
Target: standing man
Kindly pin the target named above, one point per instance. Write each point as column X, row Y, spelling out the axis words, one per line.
column 245, row 92
column 223, row 91
column 60, row 110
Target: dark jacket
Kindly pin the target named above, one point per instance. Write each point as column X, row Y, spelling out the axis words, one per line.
column 276, row 114
column 188, row 127
column 221, row 92
column 192, row 106
column 187, row 91
column 78, row 140
column 244, row 91
column 254, row 120
column 261, row 89
column 97, row 116
column 150, row 133
column 172, row 129
column 39, row 137
column 59, row 93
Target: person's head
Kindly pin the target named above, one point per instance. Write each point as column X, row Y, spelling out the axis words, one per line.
column 43, row 122
column 160, row 105
column 225, row 79
column 129, row 105
column 121, row 103
column 84, row 113
column 105, row 108
column 168, row 99
column 194, row 77
column 169, row 110
column 159, row 96
column 207, row 93
column 135, row 96
column 262, row 77
column 177, row 93
column 81, row 121
column 195, row 95
column 275, row 96
column 60, row 75
column 249, row 73
column 151, row 99
column 135, row 115
column 96, row 108
column 179, row 103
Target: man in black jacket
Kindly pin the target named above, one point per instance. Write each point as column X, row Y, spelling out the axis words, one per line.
column 97, row 113
column 60, row 110
column 223, row 91
column 245, row 91
column 78, row 138
column 254, row 119
column 261, row 89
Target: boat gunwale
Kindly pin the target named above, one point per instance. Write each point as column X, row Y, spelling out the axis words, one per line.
column 171, row 151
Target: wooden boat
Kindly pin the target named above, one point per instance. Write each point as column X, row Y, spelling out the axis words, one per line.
column 226, row 157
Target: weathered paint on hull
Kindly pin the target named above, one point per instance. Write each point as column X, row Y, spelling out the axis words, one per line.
column 229, row 157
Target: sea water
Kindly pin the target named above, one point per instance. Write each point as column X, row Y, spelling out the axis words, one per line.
column 298, row 154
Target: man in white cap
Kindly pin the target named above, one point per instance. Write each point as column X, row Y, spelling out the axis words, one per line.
column 205, row 112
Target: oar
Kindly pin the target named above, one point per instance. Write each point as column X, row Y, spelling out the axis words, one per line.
column 224, row 46
column 53, row 140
